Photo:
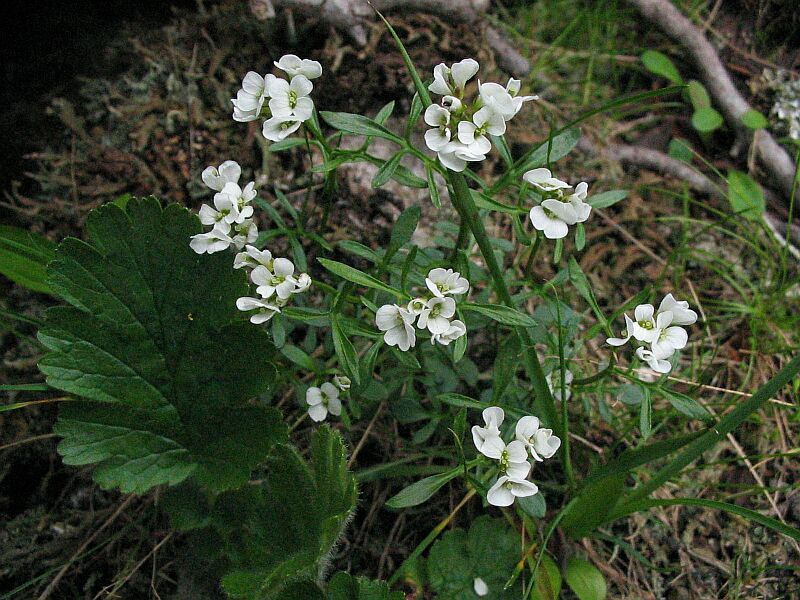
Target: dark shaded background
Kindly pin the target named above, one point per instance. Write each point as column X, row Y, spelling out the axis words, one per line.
column 46, row 47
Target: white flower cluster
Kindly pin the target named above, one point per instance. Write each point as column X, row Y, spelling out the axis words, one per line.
column 661, row 328
column 433, row 312
column 560, row 207
column 289, row 102
column 513, row 457
column 325, row 399
column 786, row 108
column 231, row 215
column 459, row 128
column 275, row 281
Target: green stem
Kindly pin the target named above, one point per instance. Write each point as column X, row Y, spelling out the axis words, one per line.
column 465, row 206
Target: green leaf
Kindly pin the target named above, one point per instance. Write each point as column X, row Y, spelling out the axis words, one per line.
column 387, row 170
column 402, row 231
column 420, row 491
column 298, row 357
column 146, row 344
column 414, row 114
column 274, row 534
column 685, row 405
column 561, row 145
column 593, row 504
column 358, row 277
column 345, row 352
column 502, row 314
column 680, row 149
column 754, row 119
column 698, row 95
column 433, row 189
column 585, row 580
column 24, row 256
column 385, row 112
column 547, row 585
column 534, row 506
column 490, row 550
column 745, row 195
column 658, row 63
column 360, row 250
column 606, row 199
column 288, row 143
column 706, row 120
column 187, row 505
column 505, row 366
column 581, row 283
column 358, row 125
column 646, row 415
column 346, row 587
column 580, row 237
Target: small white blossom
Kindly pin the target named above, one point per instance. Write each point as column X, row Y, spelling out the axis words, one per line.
column 497, row 99
column 456, row 329
column 513, row 457
column 437, row 117
column 210, row 242
column 416, row 306
column 544, row 180
column 279, row 280
column 253, row 257
column 506, row 489
column 323, row 400
column 513, row 87
column 446, row 282
column 233, row 201
column 493, row 418
column 301, row 283
column 450, row 81
column 681, row 313
column 290, row 99
column 342, row 382
column 292, row 65
column 480, row 587
column 667, row 338
column 245, row 233
column 250, row 98
column 437, row 314
column 264, row 310
column 553, row 218
column 473, row 134
column 216, row 177
column 279, row 128
column 540, row 442
column 398, row 325
column 627, row 333
column 658, row 365
column 554, row 383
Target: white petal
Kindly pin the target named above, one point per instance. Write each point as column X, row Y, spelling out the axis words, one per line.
column 499, row 494
column 313, row 396
column 318, row 412
column 493, row 416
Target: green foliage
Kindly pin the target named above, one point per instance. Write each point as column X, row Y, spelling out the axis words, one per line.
column 489, row 550
column 660, row 64
column 358, row 277
column 585, row 580
column 502, row 314
column 421, row 491
column 706, row 120
column 24, row 256
column 146, row 346
column 547, row 585
column 754, row 119
column 346, row 587
column 270, row 537
column 358, row 125
column 745, row 195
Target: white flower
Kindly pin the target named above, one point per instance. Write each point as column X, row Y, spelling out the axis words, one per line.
column 416, row 306
column 513, row 87
column 245, row 232
column 658, row 365
column 480, row 587
column 452, row 104
column 472, row 134
column 540, row 442
column 645, row 326
column 451, row 81
column 493, row 418
column 544, row 180
column 681, row 313
column 323, row 400
column 291, row 99
column 277, row 280
column 211, row 242
column 253, row 257
column 217, row 177
column 342, row 382
column 398, row 323
column 233, row 201
column 497, row 99
column 250, row 99
column 455, row 331
column 627, row 333
column 553, row 218
column 265, row 310
column 293, row 65
column 554, row 383
column 442, row 282
column 667, row 338
column 279, row 128
column 437, row 314
column 301, row 283
column 506, row 489
column 222, row 214
column 439, row 118
column 577, row 201
column 513, row 457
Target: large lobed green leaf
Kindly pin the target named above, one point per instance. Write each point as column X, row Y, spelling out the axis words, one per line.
column 154, row 346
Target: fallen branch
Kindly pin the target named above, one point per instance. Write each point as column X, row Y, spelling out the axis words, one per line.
column 775, row 160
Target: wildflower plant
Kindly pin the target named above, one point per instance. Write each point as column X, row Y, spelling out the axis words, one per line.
column 187, row 335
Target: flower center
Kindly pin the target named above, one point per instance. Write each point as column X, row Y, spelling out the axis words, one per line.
column 292, row 98
column 549, row 213
column 646, row 325
column 504, row 462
